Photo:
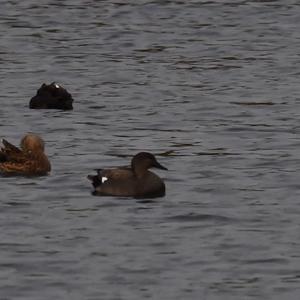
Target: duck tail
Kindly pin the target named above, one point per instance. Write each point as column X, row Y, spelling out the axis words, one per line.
column 95, row 179
column 10, row 147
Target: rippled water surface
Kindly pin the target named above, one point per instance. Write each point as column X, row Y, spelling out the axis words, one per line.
column 212, row 88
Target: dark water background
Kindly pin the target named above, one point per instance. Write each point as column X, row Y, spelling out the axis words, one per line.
column 212, row 88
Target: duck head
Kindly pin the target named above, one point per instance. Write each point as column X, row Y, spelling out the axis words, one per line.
column 32, row 142
column 143, row 161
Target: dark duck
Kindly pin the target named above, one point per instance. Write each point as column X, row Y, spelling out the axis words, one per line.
column 134, row 181
column 51, row 96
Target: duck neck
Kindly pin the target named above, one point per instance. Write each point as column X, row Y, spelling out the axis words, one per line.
column 139, row 171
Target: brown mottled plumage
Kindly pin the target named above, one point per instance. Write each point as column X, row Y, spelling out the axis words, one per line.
column 28, row 160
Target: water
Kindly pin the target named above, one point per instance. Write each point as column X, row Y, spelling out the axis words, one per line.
column 212, row 88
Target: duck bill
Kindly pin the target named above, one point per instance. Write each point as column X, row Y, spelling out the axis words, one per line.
column 159, row 166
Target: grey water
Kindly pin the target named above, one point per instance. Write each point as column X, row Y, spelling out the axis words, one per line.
column 211, row 88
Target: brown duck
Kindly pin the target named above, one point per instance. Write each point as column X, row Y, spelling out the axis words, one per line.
column 135, row 181
column 28, row 160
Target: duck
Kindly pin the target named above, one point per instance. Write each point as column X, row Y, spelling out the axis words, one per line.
column 134, row 181
column 51, row 96
column 28, row 160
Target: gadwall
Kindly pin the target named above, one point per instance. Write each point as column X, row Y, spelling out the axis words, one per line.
column 51, row 96
column 135, row 181
column 28, row 160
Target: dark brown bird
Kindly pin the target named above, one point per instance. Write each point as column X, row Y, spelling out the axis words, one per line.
column 51, row 96
column 135, row 181
column 28, row 160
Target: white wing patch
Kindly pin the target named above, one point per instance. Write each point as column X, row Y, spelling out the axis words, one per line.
column 103, row 179
column 56, row 85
